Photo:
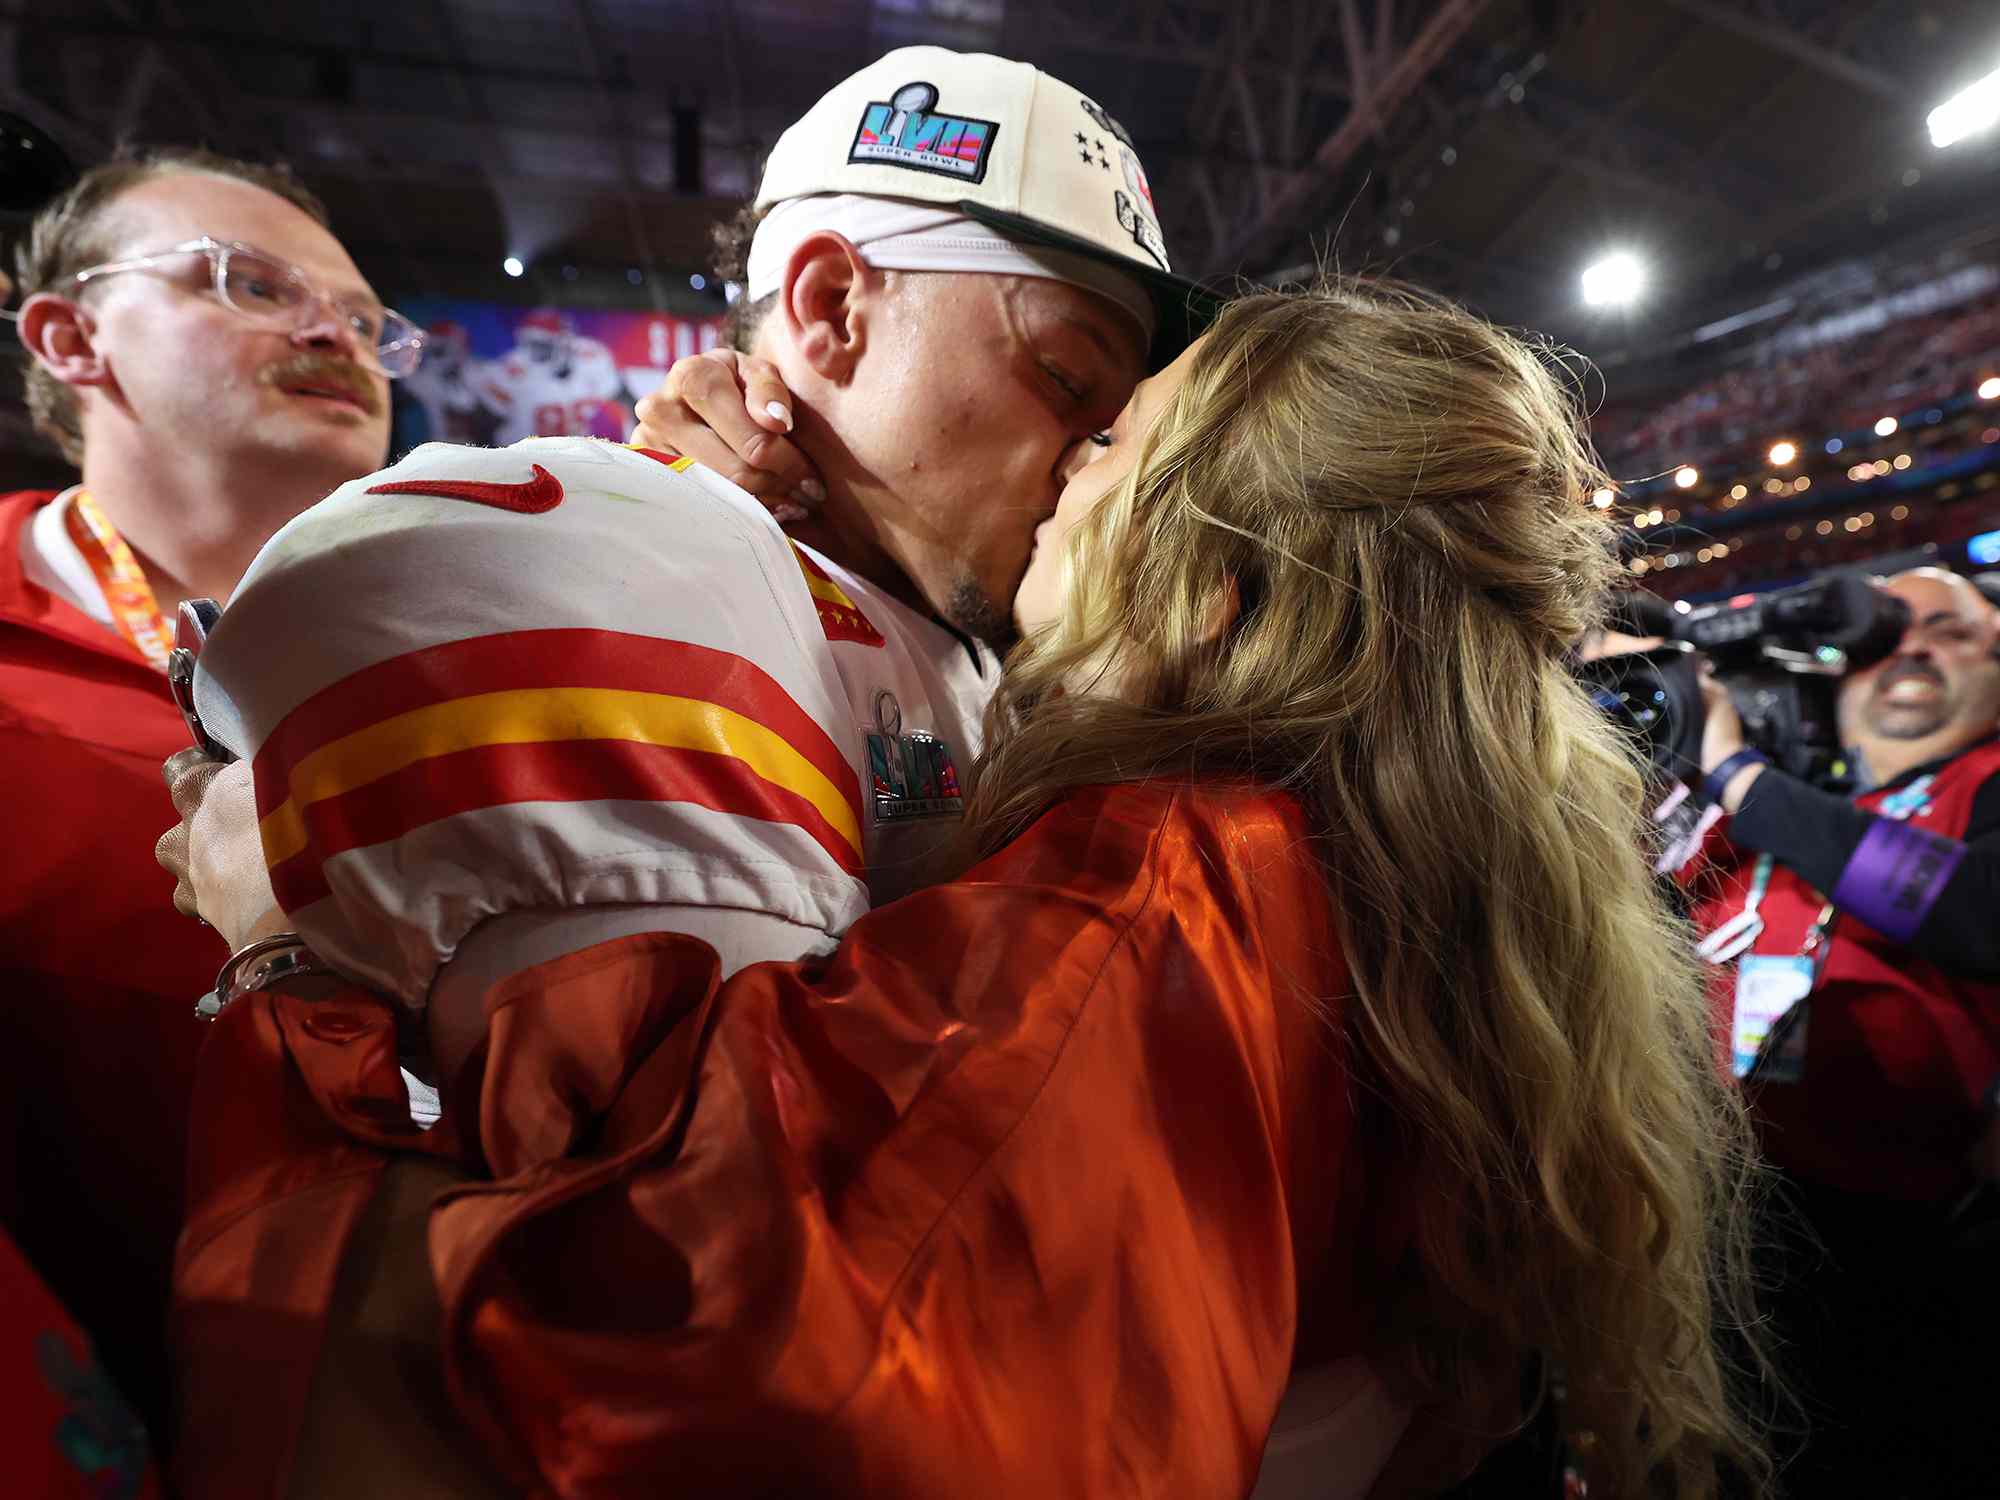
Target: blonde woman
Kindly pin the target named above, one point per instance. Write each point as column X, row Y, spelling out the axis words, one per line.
column 1306, row 1000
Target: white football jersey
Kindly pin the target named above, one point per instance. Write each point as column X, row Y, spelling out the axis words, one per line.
column 446, row 397
column 572, row 674
column 531, row 399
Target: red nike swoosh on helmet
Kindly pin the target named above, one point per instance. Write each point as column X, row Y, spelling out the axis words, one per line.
column 542, row 493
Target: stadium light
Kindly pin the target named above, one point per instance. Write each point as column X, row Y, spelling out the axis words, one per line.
column 1783, row 453
column 1989, row 389
column 1884, row 427
column 1969, row 111
column 1687, row 476
column 512, row 265
column 1614, row 281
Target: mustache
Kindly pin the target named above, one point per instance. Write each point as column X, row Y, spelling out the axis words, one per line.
column 314, row 368
column 1903, row 671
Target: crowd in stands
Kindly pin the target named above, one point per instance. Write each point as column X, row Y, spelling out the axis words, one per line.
column 1728, row 420
column 1942, row 495
column 1846, row 489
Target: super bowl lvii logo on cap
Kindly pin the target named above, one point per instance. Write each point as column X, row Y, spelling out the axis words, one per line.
column 906, row 131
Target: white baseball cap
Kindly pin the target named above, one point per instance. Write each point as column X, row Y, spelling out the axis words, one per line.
column 1003, row 143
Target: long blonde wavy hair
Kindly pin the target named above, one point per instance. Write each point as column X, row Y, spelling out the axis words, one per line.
column 1400, row 492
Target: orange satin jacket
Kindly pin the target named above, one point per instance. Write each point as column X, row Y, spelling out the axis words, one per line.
column 1026, row 1191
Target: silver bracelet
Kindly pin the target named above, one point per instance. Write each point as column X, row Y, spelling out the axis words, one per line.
column 282, row 955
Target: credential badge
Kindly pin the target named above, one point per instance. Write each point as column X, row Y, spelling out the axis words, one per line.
column 909, row 775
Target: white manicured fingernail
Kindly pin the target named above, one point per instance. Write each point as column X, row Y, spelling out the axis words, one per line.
column 781, row 412
column 784, row 512
column 812, row 491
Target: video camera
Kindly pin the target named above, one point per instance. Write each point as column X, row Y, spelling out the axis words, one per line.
column 1781, row 655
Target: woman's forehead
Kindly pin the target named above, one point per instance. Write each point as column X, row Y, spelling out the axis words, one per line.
column 1156, row 390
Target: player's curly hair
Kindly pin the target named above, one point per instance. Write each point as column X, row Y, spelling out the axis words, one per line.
column 730, row 240
column 1399, row 493
column 72, row 232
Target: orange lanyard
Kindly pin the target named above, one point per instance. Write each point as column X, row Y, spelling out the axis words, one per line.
column 120, row 579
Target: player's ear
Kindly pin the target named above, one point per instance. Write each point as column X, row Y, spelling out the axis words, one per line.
column 827, row 293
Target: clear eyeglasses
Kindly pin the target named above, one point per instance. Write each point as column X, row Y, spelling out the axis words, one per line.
column 276, row 295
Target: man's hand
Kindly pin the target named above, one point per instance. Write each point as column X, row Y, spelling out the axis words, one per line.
column 730, row 412
column 214, row 852
column 1722, row 737
column 1607, row 642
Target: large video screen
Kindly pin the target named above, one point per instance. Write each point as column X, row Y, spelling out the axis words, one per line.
column 495, row 374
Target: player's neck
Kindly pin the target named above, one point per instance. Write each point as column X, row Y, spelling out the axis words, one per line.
column 842, row 531
column 194, row 519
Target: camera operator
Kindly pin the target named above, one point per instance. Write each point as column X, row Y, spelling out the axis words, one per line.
column 1857, row 965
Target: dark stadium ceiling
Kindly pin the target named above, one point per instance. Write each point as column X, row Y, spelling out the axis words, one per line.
column 1487, row 147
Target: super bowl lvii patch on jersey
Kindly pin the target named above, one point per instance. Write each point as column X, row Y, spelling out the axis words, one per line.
column 909, row 775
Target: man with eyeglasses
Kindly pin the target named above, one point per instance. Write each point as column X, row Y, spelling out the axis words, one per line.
column 206, row 353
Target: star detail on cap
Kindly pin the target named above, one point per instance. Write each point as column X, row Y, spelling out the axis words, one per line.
column 1081, row 139
column 1085, row 155
column 1104, row 164
column 1098, row 144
